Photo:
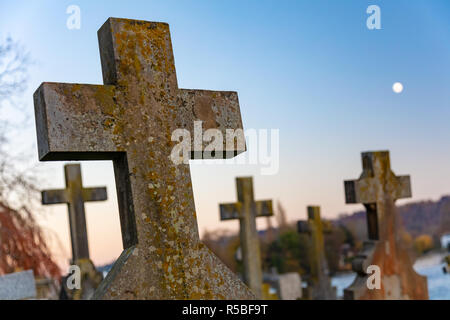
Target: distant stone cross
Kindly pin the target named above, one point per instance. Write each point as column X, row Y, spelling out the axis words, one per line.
column 378, row 188
column 75, row 196
column 246, row 210
column 319, row 286
column 131, row 120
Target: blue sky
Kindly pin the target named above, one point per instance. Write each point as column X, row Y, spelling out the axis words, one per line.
column 309, row 68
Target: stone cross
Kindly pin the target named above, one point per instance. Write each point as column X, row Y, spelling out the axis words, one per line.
column 319, row 284
column 246, row 210
column 75, row 196
column 377, row 189
column 135, row 120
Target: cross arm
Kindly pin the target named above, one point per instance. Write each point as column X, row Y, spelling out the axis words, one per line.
column 217, row 110
column 94, row 194
column 404, row 187
column 230, row 211
column 74, row 118
column 355, row 194
column 303, row 227
column 365, row 189
column 264, row 208
column 54, row 196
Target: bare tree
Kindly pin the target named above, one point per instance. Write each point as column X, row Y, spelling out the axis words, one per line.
column 14, row 62
column 17, row 182
column 22, row 241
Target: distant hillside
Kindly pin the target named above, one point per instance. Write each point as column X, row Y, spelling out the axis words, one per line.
column 425, row 217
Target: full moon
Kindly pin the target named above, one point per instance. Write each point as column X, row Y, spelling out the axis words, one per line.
column 397, row 87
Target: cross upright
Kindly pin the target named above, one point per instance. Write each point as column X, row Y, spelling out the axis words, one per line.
column 134, row 119
column 319, row 286
column 377, row 189
column 246, row 210
column 75, row 196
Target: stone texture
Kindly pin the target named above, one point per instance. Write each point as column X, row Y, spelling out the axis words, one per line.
column 319, row 282
column 18, row 286
column 378, row 188
column 289, row 286
column 246, row 210
column 130, row 120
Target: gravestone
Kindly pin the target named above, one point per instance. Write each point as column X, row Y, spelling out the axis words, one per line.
column 377, row 189
column 289, row 286
column 246, row 210
column 18, row 286
column 319, row 282
column 75, row 195
column 131, row 120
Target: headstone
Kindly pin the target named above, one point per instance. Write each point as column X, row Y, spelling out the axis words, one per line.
column 75, row 195
column 246, row 210
column 18, row 286
column 377, row 189
column 319, row 282
column 131, row 120
column 289, row 286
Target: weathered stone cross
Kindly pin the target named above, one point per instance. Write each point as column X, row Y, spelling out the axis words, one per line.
column 378, row 188
column 247, row 210
column 130, row 120
column 319, row 284
column 75, row 196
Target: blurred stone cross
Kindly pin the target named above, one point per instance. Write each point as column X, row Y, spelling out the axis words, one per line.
column 75, row 195
column 142, row 121
column 377, row 189
column 319, row 283
column 246, row 210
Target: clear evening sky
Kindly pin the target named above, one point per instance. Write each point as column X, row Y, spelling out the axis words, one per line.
column 311, row 69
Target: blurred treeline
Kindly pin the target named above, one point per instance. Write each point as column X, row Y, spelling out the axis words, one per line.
column 286, row 250
column 24, row 244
